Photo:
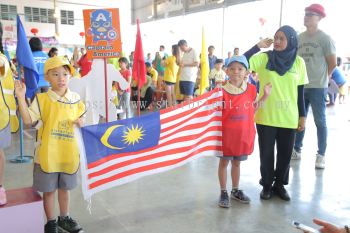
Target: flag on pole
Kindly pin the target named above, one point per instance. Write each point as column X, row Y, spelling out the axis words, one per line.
column 25, row 58
column 204, row 67
column 119, row 152
column 139, row 68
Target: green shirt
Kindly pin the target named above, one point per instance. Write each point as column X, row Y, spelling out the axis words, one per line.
column 281, row 107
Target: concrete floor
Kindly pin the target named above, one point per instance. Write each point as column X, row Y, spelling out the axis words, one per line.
column 185, row 199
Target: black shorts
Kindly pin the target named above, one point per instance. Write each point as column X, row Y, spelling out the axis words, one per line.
column 169, row 83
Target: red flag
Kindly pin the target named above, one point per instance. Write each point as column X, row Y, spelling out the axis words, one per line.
column 139, row 68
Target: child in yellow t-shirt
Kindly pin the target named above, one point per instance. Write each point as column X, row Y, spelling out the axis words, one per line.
column 217, row 76
column 56, row 157
column 153, row 73
column 170, row 74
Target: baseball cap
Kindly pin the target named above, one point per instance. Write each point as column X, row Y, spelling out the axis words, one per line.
column 241, row 59
column 316, row 8
column 57, row 61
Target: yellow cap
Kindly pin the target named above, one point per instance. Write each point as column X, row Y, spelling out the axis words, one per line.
column 57, row 61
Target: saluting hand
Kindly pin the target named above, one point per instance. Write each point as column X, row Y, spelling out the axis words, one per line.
column 265, row 43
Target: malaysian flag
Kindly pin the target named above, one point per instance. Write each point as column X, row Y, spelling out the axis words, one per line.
column 118, row 152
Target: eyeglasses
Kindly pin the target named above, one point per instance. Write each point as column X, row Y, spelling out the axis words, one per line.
column 310, row 14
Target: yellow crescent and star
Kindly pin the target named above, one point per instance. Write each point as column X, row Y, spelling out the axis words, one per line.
column 131, row 136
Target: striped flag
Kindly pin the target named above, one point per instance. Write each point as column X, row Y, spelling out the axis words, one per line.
column 119, row 152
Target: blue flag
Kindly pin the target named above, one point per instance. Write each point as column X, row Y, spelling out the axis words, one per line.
column 25, row 58
column 121, row 136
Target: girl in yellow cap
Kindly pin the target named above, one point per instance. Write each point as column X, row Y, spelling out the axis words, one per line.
column 56, row 159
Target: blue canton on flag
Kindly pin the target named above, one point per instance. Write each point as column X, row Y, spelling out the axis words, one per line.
column 121, row 136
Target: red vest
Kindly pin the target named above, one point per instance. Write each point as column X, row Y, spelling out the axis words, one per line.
column 238, row 130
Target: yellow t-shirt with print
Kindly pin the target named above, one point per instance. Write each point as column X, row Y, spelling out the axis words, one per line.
column 171, row 69
column 57, row 149
column 281, row 107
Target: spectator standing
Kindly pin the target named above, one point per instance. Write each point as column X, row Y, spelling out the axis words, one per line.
column 39, row 59
column 189, row 69
column 211, row 57
column 319, row 53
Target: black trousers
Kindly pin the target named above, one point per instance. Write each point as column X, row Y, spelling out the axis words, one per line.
column 284, row 139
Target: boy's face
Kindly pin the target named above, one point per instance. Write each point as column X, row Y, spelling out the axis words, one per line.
column 148, row 68
column 58, row 78
column 218, row 66
column 183, row 47
column 236, row 71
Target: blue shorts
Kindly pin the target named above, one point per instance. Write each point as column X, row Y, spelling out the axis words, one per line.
column 186, row 87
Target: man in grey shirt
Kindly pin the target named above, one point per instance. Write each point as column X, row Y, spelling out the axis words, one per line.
column 188, row 70
column 318, row 51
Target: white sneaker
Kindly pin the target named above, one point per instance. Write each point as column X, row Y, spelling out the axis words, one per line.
column 296, row 155
column 320, row 162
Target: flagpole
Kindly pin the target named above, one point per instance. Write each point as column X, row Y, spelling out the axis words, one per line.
column 106, row 91
column 138, row 88
column 21, row 158
column 223, row 30
column 139, row 67
column 281, row 13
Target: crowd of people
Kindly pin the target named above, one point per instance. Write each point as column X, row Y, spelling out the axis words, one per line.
column 271, row 94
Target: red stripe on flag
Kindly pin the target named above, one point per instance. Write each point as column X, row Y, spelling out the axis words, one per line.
column 199, row 98
column 194, row 109
column 149, row 157
column 149, row 167
column 126, row 154
column 191, row 126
